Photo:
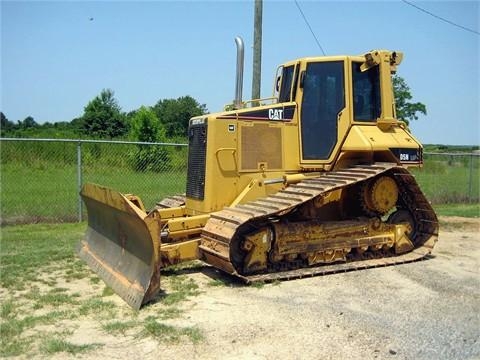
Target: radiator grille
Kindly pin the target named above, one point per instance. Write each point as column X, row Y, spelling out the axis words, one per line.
column 197, row 152
column 261, row 144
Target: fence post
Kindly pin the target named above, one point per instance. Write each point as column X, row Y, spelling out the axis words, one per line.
column 79, row 179
column 470, row 180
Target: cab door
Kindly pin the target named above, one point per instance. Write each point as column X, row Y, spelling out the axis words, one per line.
column 323, row 100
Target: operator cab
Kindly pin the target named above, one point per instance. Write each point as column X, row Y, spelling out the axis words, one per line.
column 334, row 94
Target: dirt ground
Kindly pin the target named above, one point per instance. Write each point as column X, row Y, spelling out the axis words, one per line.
column 424, row 310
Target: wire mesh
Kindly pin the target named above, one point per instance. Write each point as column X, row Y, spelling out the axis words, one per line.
column 41, row 178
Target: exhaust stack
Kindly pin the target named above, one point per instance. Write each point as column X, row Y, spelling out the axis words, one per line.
column 239, row 77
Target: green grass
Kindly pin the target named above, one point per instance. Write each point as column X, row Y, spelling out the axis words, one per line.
column 31, row 194
column 462, row 210
column 8, row 309
column 218, row 282
column 181, row 289
column 119, row 327
column 169, row 313
column 168, row 333
column 446, row 180
column 29, row 255
column 40, row 181
column 98, row 307
column 107, row 291
column 33, row 255
column 183, row 268
column 76, row 270
column 151, row 187
column 46, row 189
column 257, row 284
column 55, row 299
column 95, row 280
column 14, row 346
column 26, row 248
column 12, row 328
column 28, row 195
column 54, row 345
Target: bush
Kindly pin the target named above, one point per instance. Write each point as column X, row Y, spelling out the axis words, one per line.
column 146, row 127
column 150, row 158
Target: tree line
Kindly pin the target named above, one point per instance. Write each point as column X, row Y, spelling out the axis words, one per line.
column 103, row 118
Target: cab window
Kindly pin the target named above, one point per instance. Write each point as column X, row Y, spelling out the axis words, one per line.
column 366, row 93
column 285, row 90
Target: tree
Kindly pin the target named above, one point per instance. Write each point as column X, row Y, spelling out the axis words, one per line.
column 175, row 114
column 28, row 123
column 145, row 127
column 406, row 110
column 6, row 125
column 77, row 125
column 103, row 117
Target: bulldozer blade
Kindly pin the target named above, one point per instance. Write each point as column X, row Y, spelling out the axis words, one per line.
column 121, row 244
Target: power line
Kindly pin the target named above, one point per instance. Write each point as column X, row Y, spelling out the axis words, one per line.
column 311, row 30
column 441, row 18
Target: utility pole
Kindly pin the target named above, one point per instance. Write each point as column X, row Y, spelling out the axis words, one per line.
column 257, row 50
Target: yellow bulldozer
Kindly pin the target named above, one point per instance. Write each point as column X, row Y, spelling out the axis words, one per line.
column 311, row 181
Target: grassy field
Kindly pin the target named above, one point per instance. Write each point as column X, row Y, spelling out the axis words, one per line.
column 37, row 187
column 461, row 210
column 46, row 292
column 39, row 180
column 30, row 194
column 446, row 179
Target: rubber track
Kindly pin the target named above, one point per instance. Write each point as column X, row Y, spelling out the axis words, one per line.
column 225, row 225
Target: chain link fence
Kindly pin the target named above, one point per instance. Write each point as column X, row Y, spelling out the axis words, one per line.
column 41, row 178
column 450, row 178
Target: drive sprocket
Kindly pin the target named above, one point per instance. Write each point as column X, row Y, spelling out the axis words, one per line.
column 379, row 195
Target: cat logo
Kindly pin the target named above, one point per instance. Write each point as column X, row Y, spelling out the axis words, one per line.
column 275, row 114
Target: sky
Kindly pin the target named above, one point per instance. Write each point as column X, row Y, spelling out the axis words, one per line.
column 57, row 56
